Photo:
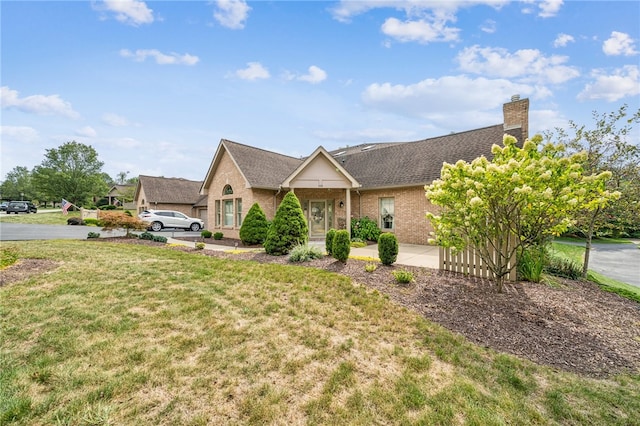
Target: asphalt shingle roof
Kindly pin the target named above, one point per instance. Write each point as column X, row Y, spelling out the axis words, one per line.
column 419, row 162
column 170, row 190
column 261, row 168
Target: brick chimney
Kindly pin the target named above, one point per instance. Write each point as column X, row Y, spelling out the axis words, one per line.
column 516, row 115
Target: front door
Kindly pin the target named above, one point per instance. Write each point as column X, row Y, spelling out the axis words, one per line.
column 317, row 219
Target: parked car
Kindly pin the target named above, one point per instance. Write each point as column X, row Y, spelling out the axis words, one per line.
column 21, row 207
column 160, row 219
column 3, row 206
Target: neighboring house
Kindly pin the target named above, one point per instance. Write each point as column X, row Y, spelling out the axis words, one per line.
column 382, row 181
column 118, row 194
column 160, row 193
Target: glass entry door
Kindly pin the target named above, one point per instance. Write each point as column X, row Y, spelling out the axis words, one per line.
column 317, row 219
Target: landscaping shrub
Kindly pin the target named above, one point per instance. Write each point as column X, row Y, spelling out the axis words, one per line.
column 370, row 267
column 565, row 268
column 531, row 263
column 93, row 235
column 75, row 221
column 341, row 245
column 108, row 207
column 358, row 244
column 218, row 236
column 200, row 245
column 206, row 234
column 328, row 242
column 92, row 222
column 254, row 227
column 288, row 229
column 402, row 276
column 387, row 248
column 159, row 239
column 146, row 236
column 365, row 229
column 305, row 253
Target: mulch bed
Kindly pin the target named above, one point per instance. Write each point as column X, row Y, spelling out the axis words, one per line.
column 574, row 326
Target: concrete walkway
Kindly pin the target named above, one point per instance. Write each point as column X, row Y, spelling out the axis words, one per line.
column 408, row 254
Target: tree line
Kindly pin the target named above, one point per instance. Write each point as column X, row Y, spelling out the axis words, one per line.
column 72, row 171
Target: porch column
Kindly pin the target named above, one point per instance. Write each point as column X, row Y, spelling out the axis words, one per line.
column 348, row 203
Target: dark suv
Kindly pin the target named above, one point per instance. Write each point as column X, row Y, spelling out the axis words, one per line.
column 21, row 207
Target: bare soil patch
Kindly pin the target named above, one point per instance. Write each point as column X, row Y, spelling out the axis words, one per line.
column 574, row 326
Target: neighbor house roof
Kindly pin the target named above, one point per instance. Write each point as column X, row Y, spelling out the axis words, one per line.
column 419, row 162
column 169, row 190
column 119, row 189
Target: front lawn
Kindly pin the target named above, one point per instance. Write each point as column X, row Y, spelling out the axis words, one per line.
column 126, row 334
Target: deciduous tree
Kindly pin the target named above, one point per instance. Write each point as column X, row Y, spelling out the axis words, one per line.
column 71, row 171
column 530, row 192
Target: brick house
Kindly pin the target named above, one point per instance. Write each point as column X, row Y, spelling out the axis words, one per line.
column 160, row 193
column 382, row 181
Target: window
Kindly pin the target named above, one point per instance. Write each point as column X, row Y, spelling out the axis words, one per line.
column 238, row 211
column 228, row 213
column 218, row 214
column 387, row 213
column 227, row 190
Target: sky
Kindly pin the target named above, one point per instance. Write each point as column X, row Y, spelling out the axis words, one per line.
column 153, row 86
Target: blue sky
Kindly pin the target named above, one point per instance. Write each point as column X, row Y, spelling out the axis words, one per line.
column 153, row 86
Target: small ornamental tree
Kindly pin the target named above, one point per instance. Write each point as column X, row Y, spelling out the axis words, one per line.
column 387, row 248
column 288, row 229
column 254, row 227
column 341, row 245
column 119, row 220
column 531, row 192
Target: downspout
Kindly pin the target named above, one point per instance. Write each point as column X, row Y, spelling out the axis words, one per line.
column 359, row 203
column 275, row 200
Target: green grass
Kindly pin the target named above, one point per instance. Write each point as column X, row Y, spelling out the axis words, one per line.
column 125, row 334
column 576, row 254
column 49, row 218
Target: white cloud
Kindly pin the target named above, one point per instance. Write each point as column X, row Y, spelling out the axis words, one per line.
column 619, row 44
column 562, row 40
column 547, row 8
column 488, row 26
column 22, row 134
column 87, row 131
column 623, row 82
column 37, row 104
column 132, row 12
column 232, row 13
column 315, row 75
column 114, row 120
column 449, row 101
column 420, row 30
column 141, row 55
column 254, row 71
column 527, row 64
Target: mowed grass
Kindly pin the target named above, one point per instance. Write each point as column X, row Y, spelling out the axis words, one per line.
column 132, row 335
column 42, row 218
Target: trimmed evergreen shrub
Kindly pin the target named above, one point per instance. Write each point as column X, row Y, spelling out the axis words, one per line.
column 288, row 229
column 218, row 236
column 341, row 245
column 305, row 253
column 254, row 227
column 364, row 229
column 159, row 239
column 387, row 248
column 206, row 234
column 91, row 221
column 328, row 242
column 146, row 236
column 75, row 221
column 93, row 235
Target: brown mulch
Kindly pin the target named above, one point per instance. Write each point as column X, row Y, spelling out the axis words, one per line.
column 573, row 326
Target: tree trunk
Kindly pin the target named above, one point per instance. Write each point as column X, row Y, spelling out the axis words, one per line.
column 587, row 248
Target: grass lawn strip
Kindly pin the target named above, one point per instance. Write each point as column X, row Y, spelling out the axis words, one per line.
column 122, row 334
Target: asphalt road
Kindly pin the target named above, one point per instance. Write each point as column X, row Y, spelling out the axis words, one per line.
column 618, row 261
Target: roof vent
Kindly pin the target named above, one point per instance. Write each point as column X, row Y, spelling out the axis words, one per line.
column 515, row 98
column 339, row 153
column 367, row 147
